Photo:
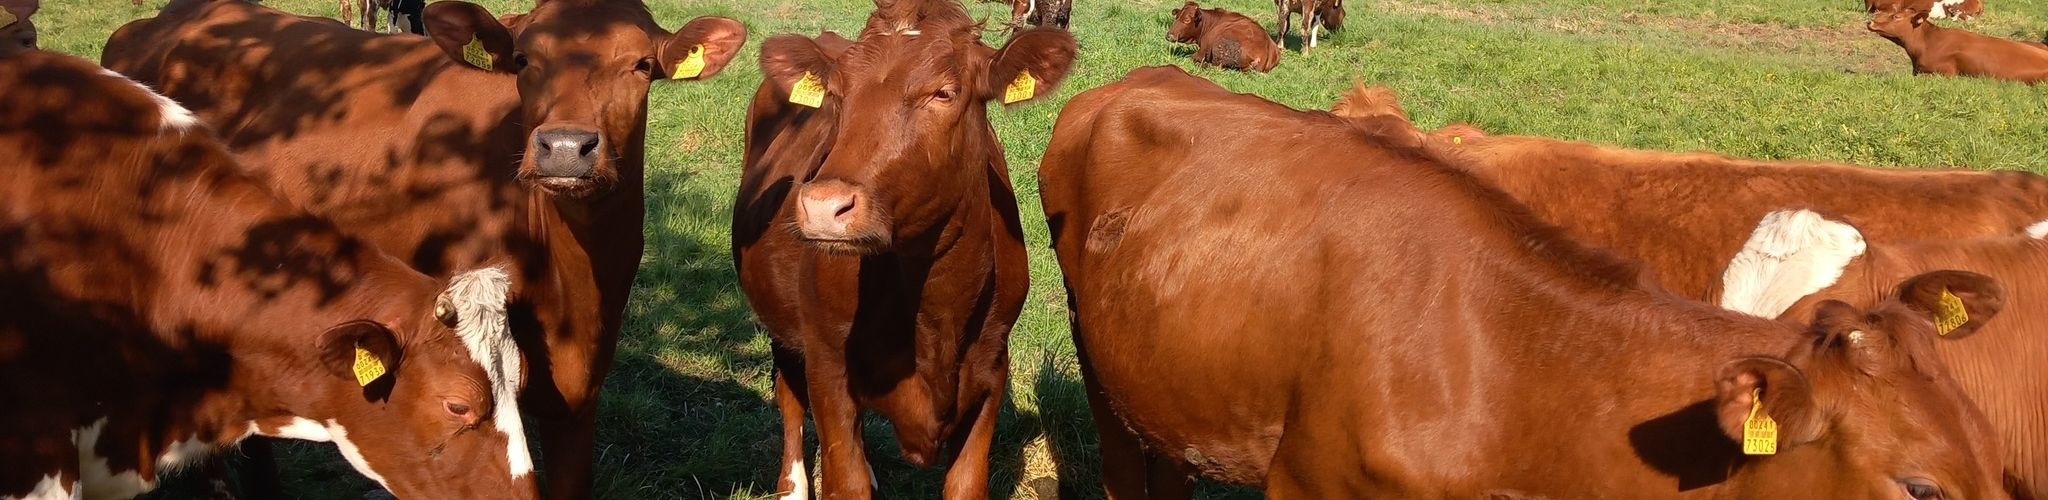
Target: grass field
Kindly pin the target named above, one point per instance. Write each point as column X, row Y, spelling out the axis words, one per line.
column 687, row 412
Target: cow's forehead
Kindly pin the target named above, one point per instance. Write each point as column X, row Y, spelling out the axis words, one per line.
column 627, row 22
column 903, row 56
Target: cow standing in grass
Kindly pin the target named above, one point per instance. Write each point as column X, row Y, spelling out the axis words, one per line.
column 1314, row 14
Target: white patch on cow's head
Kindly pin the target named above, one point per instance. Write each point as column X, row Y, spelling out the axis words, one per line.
column 51, row 488
column 2039, row 230
column 97, row 479
column 1792, row 254
column 799, row 480
column 171, row 116
column 479, row 300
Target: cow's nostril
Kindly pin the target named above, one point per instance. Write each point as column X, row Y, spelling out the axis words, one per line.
column 589, row 146
column 845, row 208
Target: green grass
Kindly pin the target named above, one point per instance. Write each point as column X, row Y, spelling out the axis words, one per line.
column 687, row 412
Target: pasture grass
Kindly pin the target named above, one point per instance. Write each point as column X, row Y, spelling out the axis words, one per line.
column 687, row 410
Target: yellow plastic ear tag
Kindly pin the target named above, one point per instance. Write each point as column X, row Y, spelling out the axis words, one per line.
column 692, row 64
column 475, row 53
column 1759, row 432
column 6, row 18
column 808, row 91
column 368, row 367
column 1021, row 88
column 1457, row 139
column 1949, row 313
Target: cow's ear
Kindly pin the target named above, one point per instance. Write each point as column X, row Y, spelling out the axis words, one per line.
column 513, row 22
column 470, row 35
column 1958, row 301
column 702, row 48
column 787, row 60
column 1044, row 53
column 1786, row 399
column 363, row 352
column 1919, row 17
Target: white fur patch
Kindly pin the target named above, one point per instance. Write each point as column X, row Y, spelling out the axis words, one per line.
column 2039, row 230
column 479, row 300
column 51, row 488
column 1940, row 10
column 183, row 453
column 351, row 452
column 1792, row 254
column 172, row 116
column 97, row 478
column 331, row 431
column 800, row 481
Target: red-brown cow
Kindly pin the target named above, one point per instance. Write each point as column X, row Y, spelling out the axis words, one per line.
column 2001, row 371
column 1224, row 38
column 17, row 31
column 538, row 160
column 1354, row 319
column 877, row 236
column 1937, row 9
column 1956, row 52
column 157, row 304
column 1314, row 14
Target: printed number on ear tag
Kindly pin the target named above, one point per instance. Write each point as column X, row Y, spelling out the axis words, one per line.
column 1020, row 89
column 475, row 53
column 367, row 367
column 808, row 91
column 6, row 18
column 1759, row 432
column 1949, row 313
column 692, row 65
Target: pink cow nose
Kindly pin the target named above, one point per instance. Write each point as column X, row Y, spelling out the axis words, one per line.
column 826, row 210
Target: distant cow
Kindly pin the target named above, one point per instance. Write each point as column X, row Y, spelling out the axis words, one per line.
column 17, row 31
column 457, row 149
column 1330, row 313
column 158, row 305
column 877, row 236
column 1314, row 14
column 1045, row 13
column 1956, row 52
column 1937, row 9
column 1224, row 38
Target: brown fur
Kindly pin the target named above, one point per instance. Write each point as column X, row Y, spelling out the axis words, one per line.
column 1956, row 52
column 146, row 280
column 884, row 256
column 1399, row 329
column 1224, row 38
column 395, row 136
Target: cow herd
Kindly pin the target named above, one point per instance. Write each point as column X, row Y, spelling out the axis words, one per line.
column 249, row 223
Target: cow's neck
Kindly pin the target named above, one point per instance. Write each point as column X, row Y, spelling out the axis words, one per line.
column 1915, row 40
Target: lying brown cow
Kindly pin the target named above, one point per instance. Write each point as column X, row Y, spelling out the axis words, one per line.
column 1314, row 14
column 2002, row 372
column 536, row 158
column 1353, row 319
column 877, row 236
column 1224, row 38
column 1955, row 52
column 1692, row 219
column 157, row 305
column 17, row 31
column 1937, row 9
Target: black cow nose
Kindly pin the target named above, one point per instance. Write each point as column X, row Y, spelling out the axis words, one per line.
column 565, row 152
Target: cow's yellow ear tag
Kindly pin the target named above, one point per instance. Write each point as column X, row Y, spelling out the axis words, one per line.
column 1457, row 139
column 475, row 54
column 1024, row 87
column 1759, row 432
column 1949, row 313
column 6, row 18
column 367, row 367
column 808, row 91
column 692, row 65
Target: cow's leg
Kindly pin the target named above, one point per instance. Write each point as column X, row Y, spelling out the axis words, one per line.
column 1280, row 12
column 842, row 461
column 967, row 478
column 1308, row 24
column 795, row 483
column 568, row 435
column 1123, row 460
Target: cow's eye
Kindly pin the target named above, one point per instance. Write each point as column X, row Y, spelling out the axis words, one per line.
column 1921, row 489
column 518, row 60
column 645, row 66
column 946, row 94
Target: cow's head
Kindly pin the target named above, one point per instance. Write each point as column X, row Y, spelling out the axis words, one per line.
column 912, row 136
column 1331, row 14
column 1895, row 23
column 422, row 398
column 1865, row 410
column 1187, row 24
column 584, row 67
column 17, row 32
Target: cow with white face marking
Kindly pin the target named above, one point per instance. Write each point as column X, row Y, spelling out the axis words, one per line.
column 157, row 304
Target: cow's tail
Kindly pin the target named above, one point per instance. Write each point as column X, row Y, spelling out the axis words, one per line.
column 1227, row 53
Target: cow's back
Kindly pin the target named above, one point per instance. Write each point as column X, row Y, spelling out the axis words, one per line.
column 1686, row 214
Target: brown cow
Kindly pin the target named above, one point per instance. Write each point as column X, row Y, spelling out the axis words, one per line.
column 538, row 161
column 17, row 31
column 1224, row 38
column 1045, row 13
column 157, row 304
column 1956, row 52
column 877, row 236
column 2002, row 372
column 1328, row 14
column 1353, row 319
column 1693, row 219
column 1938, row 9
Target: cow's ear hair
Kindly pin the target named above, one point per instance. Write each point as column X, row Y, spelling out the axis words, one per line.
column 785, row 59
column 356, row 350
column 513, row 22
column 1787, row 399
column 1047, row 53
column 1919, row 17
column 455, row 26
column 1959, row 302
column 718, row 38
